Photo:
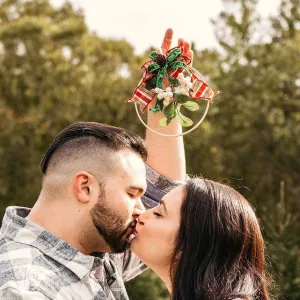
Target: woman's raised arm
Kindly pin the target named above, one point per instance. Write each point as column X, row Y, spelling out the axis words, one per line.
column 166, row 154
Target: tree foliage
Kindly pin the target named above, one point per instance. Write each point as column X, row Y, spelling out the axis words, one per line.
column 251, row 136
column 54, row 72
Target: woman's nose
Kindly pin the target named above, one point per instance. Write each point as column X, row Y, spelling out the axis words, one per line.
column 143, row 217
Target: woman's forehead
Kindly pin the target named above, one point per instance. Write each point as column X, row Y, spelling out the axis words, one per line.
column 173, row 200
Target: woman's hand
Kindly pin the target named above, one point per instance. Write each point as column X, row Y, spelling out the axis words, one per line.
column 167, row 41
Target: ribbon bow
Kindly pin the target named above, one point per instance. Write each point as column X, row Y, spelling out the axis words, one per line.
column 160, row 64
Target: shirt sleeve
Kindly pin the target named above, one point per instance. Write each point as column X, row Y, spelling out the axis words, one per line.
column 128, row 264
column 157, row 186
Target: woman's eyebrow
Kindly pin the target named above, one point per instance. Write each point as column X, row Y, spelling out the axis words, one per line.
column 162, row 202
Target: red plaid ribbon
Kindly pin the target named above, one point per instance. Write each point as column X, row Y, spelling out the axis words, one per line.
column 142, row 96
column 200, row 88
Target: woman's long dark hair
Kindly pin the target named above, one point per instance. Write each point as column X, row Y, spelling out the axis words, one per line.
column 219, row 252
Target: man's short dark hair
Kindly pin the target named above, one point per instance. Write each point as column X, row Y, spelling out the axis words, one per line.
column 113, row 138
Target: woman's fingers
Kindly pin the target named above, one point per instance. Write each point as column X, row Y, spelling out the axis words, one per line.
column 167, row 41
column 190, row 55
column 186, row 49
column 180, row 42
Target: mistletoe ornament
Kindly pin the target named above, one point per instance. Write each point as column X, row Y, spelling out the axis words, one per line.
column 185, row 86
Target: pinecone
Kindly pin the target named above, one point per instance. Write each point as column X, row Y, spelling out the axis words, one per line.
column 161, row 60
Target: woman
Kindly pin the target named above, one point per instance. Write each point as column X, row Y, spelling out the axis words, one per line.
column 204, row 241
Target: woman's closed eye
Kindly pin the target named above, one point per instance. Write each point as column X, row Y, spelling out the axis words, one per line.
column 157, row 214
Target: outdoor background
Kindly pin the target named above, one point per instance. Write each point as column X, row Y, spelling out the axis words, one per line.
column 54, row 70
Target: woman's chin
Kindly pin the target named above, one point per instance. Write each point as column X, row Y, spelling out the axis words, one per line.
column 132, row 244
column 135, row 247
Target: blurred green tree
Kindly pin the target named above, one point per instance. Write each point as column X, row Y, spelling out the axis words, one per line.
column 283, row 246
column 148, row 287
column 250, row 137
column 52, row 72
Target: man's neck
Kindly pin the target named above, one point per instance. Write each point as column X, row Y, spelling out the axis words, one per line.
column 59, row 221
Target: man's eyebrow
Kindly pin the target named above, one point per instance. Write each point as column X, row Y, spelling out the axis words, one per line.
column 162, row 202
column 138, row 188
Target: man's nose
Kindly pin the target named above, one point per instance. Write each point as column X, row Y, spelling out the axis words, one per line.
column 139, row 208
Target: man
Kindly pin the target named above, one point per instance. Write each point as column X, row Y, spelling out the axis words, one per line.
column 93, row 179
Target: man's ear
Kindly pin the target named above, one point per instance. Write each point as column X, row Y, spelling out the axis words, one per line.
column 84, row 186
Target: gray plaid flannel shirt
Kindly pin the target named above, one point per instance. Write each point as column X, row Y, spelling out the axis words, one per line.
column 35, row 264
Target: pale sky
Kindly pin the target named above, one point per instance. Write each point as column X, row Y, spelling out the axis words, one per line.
column 143, row 23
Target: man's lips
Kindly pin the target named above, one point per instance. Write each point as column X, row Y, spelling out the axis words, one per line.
column 136, row 229
column 131, row 229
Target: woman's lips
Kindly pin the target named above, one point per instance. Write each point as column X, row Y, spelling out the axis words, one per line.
column 136, row 228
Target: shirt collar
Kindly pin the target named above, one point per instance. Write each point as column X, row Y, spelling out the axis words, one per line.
column 21, row 230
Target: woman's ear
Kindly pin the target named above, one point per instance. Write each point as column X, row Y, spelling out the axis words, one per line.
column 83, row 186
column 178, row 256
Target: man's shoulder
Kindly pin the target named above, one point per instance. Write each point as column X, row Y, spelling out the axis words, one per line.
column 20, row 262
column 26, row 270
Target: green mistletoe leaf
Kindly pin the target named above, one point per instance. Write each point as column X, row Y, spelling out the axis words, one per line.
column 163, row 122
column 191, row 105
column 182, row 99
column 170, row 111
column 183, row 120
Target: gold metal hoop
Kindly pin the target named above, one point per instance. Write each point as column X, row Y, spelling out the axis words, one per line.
column 172, row 135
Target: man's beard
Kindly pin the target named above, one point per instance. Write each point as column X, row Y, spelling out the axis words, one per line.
column 110, row 226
